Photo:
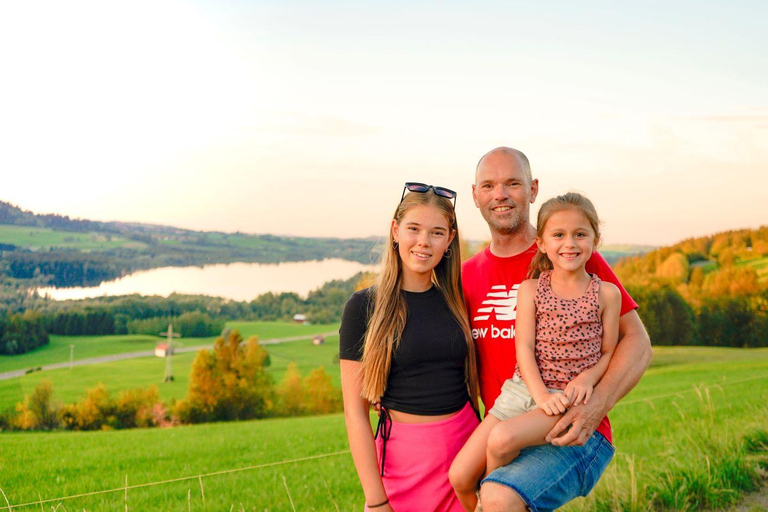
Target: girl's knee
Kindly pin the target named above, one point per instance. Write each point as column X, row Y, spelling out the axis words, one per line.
column 461, row 478
column 500, row 443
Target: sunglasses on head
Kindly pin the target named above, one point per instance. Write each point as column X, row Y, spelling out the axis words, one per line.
column 423, row 188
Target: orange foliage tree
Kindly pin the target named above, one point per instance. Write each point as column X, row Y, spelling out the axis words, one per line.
column 228, row 383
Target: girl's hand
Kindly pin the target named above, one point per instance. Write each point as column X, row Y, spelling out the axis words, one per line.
column 579, row 390
column 553, row 404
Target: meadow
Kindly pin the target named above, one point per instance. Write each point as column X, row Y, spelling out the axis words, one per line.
column 36, row 239
column 687, row 438
column 70, row 385
column 759, row 264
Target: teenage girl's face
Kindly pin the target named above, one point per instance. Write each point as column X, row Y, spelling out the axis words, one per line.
column 568, row 240
column 422, row 235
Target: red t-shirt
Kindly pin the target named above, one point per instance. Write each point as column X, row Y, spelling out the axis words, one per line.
column 490, row 289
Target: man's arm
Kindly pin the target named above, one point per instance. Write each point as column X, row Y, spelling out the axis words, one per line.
column 630, row 360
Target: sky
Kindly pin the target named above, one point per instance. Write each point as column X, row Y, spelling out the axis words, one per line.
column 306, row 118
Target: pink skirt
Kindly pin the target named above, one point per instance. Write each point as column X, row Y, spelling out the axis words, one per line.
column 418, row 456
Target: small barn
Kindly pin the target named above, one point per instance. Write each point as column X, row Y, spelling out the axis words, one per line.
column 299, row 318
column 162, row 350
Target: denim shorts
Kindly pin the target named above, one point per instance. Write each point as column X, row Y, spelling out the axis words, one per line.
column 547, row 477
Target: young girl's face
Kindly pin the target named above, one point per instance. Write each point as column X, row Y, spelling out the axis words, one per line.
column 568, row 239
column 422, row 235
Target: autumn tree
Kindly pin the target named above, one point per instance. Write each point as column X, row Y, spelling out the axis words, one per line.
column 675, row 268
column 290, row 392
column 228, row 383
column 314, row 394
column 320, row 395
column 38, row 410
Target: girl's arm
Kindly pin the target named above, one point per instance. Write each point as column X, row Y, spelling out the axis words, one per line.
column 580, row 388
column 360, row 435
column 525, row 340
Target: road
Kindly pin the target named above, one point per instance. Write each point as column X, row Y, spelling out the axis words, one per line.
column 145, row 353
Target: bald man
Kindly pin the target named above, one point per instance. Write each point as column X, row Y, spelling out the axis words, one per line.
column 580, row 445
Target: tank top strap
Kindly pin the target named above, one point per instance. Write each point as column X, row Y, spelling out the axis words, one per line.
column 594, row 286
column 544, row 285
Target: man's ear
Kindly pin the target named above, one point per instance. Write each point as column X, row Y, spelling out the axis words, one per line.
column 534, row 190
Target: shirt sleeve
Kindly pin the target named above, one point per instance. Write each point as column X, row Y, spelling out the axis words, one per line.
column 598, row 265
column 354, row 323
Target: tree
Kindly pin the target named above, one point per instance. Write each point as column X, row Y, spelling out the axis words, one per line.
column 668, row 319
column 675, row 268
column 228, row 383
column 39, row 410
column 290, row 392
column 321, row 397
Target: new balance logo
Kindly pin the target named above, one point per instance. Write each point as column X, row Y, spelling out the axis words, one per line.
column 500, row 303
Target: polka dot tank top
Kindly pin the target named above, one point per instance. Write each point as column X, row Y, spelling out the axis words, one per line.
column 569, row 332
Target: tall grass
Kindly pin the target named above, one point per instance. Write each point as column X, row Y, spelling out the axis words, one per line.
column 707, row 454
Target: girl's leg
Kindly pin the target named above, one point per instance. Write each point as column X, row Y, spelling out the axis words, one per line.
column 510, row 436
column 468, row 466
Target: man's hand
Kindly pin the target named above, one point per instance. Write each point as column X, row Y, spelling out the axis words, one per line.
column 553, row 404
column 582, row 420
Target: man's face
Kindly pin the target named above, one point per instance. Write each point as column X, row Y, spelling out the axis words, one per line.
column 503, row 193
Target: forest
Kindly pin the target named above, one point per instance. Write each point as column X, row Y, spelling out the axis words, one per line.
column 709, row 291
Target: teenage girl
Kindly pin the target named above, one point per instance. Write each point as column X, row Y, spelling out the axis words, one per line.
column 567, row 327
column 406, row 343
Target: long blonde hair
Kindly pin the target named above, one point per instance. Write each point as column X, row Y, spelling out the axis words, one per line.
column 569, row 201
column 389, row 310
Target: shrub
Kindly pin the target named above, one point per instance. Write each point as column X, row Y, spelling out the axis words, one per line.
column 39, row 411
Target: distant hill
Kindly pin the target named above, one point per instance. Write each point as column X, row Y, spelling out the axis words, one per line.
column 614, row 253
column 710, row 290
column 743, row 251
column 58, row 250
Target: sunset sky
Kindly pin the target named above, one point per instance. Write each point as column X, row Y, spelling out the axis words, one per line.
column 305, row 118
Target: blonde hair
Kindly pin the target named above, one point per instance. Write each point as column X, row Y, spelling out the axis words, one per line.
column 389, row 309
column 569, row 201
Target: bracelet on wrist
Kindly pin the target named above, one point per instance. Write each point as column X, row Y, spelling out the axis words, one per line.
column 379, row 504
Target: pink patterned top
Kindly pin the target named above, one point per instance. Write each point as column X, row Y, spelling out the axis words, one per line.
column 569, row 332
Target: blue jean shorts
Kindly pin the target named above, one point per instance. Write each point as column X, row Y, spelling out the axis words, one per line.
column 547, row 477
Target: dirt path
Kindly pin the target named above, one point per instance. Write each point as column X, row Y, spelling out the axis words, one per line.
column 754, row 502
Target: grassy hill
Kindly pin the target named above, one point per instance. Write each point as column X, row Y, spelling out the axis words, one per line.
column 679, row 437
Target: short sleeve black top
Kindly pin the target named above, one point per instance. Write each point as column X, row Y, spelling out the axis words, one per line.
column 427, row 372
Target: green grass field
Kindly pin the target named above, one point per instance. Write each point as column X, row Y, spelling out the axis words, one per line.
column 94, row 346
column 760, row 265
column 678, row 435
column 44, row 238
column 70, row 385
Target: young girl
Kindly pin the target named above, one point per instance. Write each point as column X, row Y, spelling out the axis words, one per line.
column 405, row 342
column 567, row 327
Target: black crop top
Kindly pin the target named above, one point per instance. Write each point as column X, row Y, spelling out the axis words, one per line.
column 427, row 372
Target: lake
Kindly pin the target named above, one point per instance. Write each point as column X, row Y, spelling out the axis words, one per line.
column 238, row 281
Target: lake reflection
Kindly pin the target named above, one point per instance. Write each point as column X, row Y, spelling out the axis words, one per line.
column 238, row 281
